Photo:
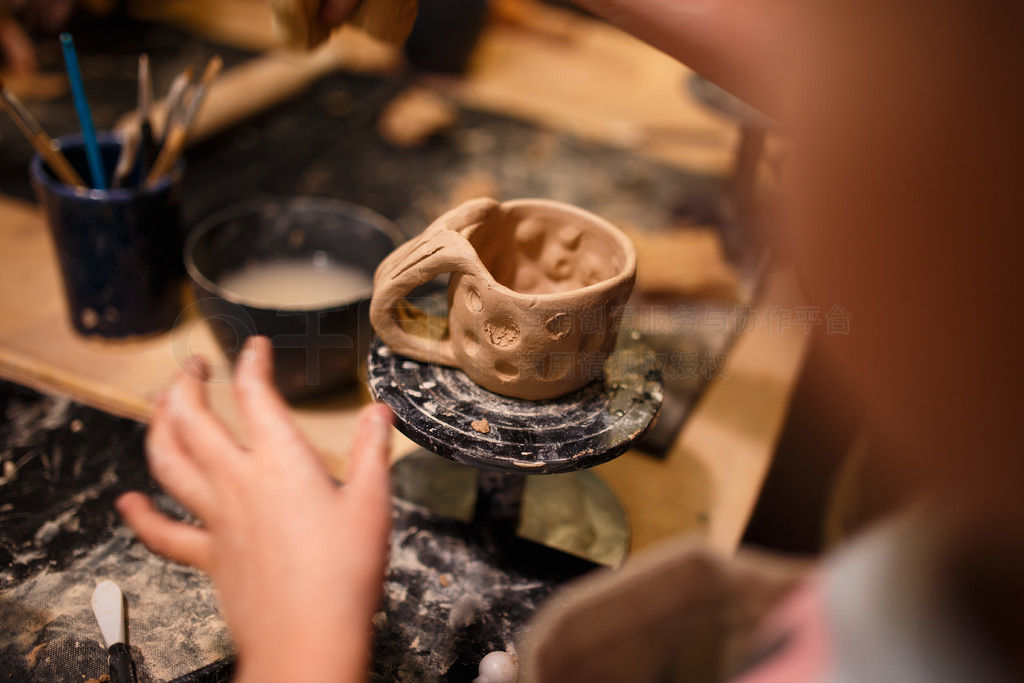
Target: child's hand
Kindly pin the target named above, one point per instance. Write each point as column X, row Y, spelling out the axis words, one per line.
column 298, row 562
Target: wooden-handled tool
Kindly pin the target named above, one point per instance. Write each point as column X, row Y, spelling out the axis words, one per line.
column 175, row 97
column 40, row 141
column 178, row 128
column 261, row 83
column 137, row 143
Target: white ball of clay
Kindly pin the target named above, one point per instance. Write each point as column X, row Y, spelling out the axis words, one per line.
column 498, row 667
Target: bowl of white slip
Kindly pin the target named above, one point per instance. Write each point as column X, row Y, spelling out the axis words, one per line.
column 298, row 270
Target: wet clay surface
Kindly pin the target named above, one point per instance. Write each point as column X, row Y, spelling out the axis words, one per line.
column 63, row 465
column 453, row 593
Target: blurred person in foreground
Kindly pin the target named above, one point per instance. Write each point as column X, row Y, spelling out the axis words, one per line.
column 905, row 124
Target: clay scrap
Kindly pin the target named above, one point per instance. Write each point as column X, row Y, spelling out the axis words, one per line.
column 414, row 116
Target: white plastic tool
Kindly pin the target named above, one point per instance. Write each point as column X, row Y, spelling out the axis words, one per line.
column 108, row 606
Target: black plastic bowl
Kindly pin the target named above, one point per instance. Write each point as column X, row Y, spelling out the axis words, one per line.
column 317, row 349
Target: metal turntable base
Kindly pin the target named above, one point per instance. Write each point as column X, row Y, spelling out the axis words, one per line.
column 572, row 510
column 575, row 512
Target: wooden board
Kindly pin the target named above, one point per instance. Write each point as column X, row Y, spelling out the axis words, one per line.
column 707, row 485
column 709, row 482
column 595, row 81
column 544, row 72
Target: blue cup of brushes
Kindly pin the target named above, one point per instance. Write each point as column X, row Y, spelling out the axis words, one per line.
column 119, row 250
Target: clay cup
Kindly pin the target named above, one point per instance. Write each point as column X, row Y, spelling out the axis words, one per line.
column 536, row 292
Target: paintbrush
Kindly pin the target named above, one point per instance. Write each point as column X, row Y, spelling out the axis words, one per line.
column 147, row 146
column 129, row 155
column 138, row 137
column 39, row 140
column 175, row 100
column 210, row 73
column 81, row 102
column 108, row 606
column 177, row 132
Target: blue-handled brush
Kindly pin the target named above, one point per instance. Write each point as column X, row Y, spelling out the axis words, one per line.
column 92, row 148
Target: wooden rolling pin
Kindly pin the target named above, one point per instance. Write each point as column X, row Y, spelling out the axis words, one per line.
column 261, row 83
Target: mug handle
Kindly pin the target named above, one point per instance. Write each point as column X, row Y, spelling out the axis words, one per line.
column 442, row 248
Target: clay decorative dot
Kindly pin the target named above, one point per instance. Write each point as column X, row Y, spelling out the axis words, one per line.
column 506, row 372
column 558, row 326
column 502, row 333
column 473, row 300
column 470, row 344
column 530, row 238
column 570, row 236
column 562, row 270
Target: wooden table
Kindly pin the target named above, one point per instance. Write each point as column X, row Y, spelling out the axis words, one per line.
column 545, row 73
column 708, row 483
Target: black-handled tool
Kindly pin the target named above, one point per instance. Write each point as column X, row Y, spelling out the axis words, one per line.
column 108, row 606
